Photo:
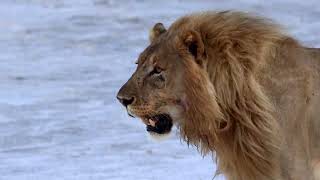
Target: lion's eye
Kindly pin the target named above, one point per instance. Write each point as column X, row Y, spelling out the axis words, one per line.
column 156, row 70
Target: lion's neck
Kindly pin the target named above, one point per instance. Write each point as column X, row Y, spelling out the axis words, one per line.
column 235, row 123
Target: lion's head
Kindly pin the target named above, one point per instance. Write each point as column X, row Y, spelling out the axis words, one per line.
column 156, row 92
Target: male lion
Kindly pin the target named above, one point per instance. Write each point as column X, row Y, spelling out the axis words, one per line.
column 237, row 87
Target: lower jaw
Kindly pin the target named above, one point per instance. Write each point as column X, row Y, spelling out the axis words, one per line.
column 156, row 130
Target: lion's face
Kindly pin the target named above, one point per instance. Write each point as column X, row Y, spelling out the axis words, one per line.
column 159, row 89
column 154, row 92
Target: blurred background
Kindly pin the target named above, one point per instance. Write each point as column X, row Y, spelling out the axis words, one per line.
column 61, row 64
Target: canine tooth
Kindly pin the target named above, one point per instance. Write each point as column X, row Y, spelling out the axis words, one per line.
column 152, row 123
column 146, row 121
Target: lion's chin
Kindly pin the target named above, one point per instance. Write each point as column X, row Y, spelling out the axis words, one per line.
column 159, row 137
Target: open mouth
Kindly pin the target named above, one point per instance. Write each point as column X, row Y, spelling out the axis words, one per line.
column 160, row 124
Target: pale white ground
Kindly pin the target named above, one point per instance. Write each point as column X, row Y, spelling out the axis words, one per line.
column 61, row 64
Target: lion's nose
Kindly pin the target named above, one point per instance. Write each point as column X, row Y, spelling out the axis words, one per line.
column 125, row 94
column 126, row 101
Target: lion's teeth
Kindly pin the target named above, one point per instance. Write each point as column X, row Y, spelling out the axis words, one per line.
column 146, row 121
column 152, row 123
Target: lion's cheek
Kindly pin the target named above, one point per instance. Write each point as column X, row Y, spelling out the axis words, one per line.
column 175, row 111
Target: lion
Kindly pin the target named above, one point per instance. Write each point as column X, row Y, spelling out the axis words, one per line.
column 238, row 88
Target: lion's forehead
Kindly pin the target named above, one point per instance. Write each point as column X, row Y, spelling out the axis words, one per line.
column 147, row 53
column 162, row 50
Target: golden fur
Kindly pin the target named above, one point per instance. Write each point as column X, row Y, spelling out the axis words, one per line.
column 250, row 94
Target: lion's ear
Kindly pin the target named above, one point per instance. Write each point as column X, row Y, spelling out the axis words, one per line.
column 193, row 41
column 156, row 31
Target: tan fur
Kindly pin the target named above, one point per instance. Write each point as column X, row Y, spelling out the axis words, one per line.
column 251, row 94
column 249, row 148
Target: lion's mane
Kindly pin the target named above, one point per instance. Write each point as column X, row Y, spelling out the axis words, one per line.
column 228, row 112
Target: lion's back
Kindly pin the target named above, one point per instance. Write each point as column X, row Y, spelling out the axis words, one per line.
column 292, row 82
